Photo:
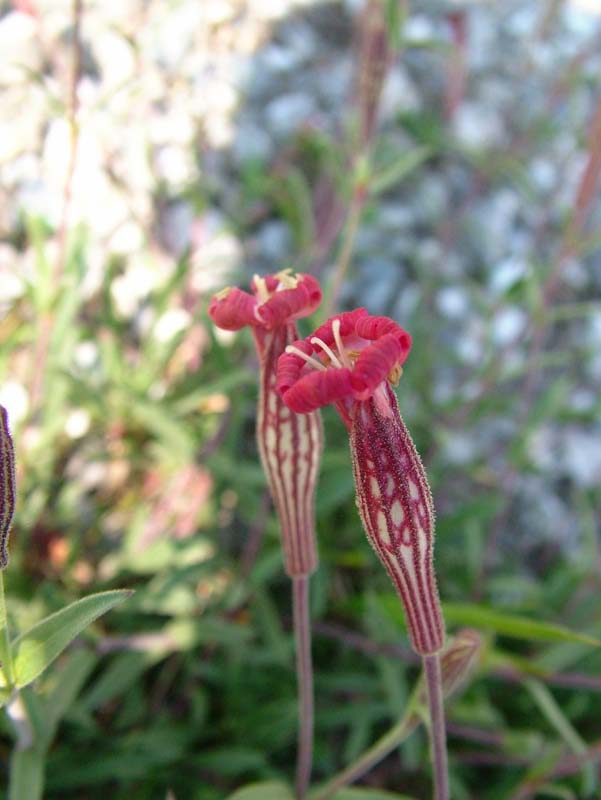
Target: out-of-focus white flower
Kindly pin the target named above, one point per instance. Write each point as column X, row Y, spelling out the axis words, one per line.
column 86, row 354
column 508, row 324
column 19, row 50
column 171, row 323
column 14, row 397
column 77, row 423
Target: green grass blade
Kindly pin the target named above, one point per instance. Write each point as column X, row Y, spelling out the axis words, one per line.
column 518, row 627
column 39, row 646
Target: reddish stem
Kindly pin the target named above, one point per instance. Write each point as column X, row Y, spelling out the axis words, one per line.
column 304, row 673
column 437, row 726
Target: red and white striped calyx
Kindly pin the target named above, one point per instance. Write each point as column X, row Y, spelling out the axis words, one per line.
column 351, row 361
column 290, row 445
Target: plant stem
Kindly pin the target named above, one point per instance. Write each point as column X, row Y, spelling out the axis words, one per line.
column 433, row 675
column 304, row 674
column 6, row 660
column 346, row 249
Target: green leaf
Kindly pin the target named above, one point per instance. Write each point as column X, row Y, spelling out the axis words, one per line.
column 39, row 646
column 263, row 791
column 64, row 686
column 512, row 625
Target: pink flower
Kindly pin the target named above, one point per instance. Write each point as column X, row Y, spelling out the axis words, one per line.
column 276, row 300
column 351, row 361
column 290, row 445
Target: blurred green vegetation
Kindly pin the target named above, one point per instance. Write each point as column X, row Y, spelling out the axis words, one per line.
column 137, row 469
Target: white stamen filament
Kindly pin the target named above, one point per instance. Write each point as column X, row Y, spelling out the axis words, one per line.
column 309, row 359
column 339, row 344
column 261, row 288
column 327, row 350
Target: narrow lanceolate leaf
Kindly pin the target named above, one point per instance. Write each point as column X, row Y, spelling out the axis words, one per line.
column 40, row 645
column 395, row 504
column 7, row 485
column 514, row 625
column 290, row 446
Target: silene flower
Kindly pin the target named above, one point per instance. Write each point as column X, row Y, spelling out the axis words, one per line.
column 351, row 361
column 289, row 445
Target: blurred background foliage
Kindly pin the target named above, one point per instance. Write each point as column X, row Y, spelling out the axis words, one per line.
column 440, row 167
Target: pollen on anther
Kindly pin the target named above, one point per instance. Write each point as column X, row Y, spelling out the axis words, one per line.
column 261, row 288
column 223, row 293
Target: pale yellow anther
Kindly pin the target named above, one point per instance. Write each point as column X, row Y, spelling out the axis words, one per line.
column 287, row 279
column 309, row 359
column 327, row 350
column 394, row 376
column 223, row 293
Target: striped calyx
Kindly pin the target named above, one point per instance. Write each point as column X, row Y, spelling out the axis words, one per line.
column 290, row 446
column 7, row 485
column 351, row 362
column 395, row 503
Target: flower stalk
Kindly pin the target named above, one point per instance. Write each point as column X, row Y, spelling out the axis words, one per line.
column 457, row 663
column 304, row 671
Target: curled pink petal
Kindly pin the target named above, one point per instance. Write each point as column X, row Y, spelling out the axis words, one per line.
column 365, row 350
column 374, row 327
column 374, row 365
column 348, row 324
column 233, row 309
column 313, row 291
column 290, row 304
column 316, row 389
column 290, row 367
